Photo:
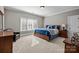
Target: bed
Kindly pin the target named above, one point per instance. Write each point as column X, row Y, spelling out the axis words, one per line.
column 48, row 33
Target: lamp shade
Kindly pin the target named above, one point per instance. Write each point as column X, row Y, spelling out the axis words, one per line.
column 63, row 25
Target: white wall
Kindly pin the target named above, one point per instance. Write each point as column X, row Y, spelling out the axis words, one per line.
column 12, row 19
column 60, row 18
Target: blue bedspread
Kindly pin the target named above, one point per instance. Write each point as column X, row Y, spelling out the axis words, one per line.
column 44, row 31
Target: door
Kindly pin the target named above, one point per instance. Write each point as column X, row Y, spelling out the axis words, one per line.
column 70, row 26
column 77, row 23
column 73, row 25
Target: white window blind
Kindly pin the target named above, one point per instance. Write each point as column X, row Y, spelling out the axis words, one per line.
column 28, row 24
column 23, row 24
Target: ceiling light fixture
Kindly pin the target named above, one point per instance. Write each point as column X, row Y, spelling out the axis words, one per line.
column 42, row 6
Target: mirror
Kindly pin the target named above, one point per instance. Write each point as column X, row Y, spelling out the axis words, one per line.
column 0, row 21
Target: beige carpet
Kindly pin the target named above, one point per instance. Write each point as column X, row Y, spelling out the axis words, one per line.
column 33, row 44
column 59, row 41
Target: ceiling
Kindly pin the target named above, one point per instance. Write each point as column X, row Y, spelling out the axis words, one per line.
column 47, row 11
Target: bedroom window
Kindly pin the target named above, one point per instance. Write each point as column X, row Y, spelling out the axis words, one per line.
column 23, row 24
column 31, row 24
column 28, row 24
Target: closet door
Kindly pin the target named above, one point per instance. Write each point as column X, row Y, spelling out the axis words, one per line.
column 77, row 23
column 73, row 25
column 70, row 24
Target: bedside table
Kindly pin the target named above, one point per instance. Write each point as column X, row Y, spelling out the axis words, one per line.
column 63, row 33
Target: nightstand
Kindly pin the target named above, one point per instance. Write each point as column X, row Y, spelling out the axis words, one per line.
column 63, row 33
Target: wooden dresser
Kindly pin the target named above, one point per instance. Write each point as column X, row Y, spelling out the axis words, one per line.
column 6, row 40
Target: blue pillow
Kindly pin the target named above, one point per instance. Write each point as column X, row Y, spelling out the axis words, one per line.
column 50, row 27
column 53, row 27
column 47, row 26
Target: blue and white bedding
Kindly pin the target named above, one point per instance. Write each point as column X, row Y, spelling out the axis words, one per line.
column 45, row 31
column 51, row 33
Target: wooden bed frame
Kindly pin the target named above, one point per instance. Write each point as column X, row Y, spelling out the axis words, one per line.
column 41, row 36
